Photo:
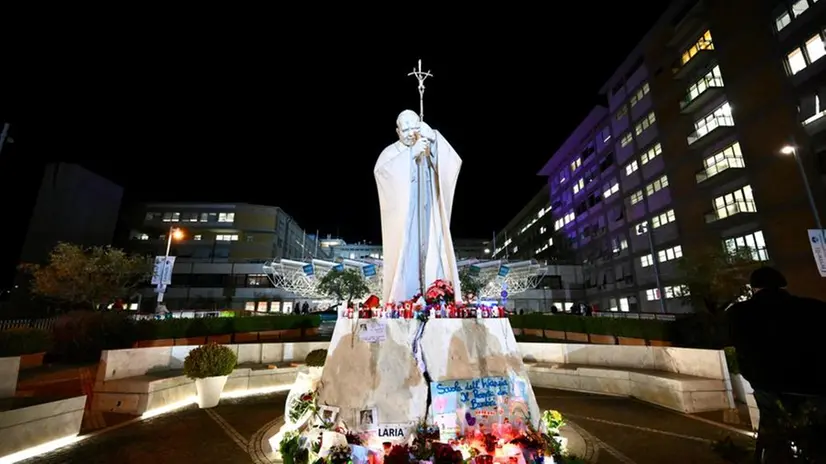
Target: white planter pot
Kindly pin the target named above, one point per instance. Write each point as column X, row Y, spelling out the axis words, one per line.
column 209, row 390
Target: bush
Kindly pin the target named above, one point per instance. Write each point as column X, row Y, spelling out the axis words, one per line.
column 16, row 342
column 210, row 360
column 80, row 336
column 731, row 360
column 316, row 358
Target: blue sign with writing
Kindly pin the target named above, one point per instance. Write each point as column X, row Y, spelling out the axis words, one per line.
column 484, row 404
column 369, row 270
column 308, row 270
column 503, row 271
column 338, row 267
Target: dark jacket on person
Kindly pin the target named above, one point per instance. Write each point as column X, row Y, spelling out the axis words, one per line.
column 774, row 334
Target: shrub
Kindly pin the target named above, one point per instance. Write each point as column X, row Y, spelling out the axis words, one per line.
column 16, row 342
column 210, row 360
column 316, row 358
column 80, row 336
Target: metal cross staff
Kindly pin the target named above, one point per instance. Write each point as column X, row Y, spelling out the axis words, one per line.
column 422, row 178
column 421, row 76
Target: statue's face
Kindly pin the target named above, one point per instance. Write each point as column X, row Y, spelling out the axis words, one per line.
column 407, row 127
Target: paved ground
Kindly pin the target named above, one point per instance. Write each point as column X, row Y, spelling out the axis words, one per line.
column 614, row 431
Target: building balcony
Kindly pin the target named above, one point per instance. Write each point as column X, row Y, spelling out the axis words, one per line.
column 730, row 210
column 702, row 58
column 693, row 101
column 713, row 129
column 815, row 124
column 716, row 168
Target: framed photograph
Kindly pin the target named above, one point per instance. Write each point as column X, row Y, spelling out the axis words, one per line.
column 328, row 414
column 368, row 419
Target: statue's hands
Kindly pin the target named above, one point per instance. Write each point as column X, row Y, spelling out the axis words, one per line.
column 421, row 146
column 427, row 132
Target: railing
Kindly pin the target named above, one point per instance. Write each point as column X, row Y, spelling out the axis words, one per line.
column 647, row 316
column 714, row 123
column 43, row 324
column 746, row 206
column 717, row 168
column 710, row 83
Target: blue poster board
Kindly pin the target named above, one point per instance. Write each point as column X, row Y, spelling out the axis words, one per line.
column 460, row 406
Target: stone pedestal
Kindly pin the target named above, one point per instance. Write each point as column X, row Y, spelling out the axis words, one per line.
column 383, row 376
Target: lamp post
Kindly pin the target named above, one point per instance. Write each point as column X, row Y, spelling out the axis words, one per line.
column 792, row 150
column 645, row 229
column 177, row 234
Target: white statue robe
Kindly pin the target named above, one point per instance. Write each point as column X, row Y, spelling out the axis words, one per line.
column 396, row 175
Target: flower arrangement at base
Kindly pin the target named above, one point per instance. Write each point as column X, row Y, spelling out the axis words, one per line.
column 300, row 407
column 440, row 291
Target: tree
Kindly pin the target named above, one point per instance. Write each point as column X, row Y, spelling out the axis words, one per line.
column 717, row 277
column 469, row 282
column 348, row 283
column 87, row 277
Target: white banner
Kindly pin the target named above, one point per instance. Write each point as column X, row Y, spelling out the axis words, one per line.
column 162, row 272
column 818, row 240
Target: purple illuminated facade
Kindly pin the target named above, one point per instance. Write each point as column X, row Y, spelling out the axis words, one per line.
column 686, row 153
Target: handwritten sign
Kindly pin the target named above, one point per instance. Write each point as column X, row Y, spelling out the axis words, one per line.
column 477, row 393
column 482, row 404
column 372, row 331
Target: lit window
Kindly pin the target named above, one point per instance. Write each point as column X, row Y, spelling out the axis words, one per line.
column 196, row 237
column 738, row 201
column 729, row 157
column 799, row 7
column 652, row 294
column 641, row 228
column 645, row 123
column 636, row 197
column 632, row 166
column 651, row 153
column 782, row 20
column 610, row 190
column 646, row 261
column 720, row 117
column 143, row 237
column 578, row 186
column 796, row 60
column 670, row 254
column 676, row 291
column 626, row 139
column 576, row 164
column 656, row 186
column 227, row 237
column 703, row 43
column 622, row 113
column 755, row 243
column 641, row 92
column 713, row 78
column 815, row 48
column 226, row 217
column 663, row 219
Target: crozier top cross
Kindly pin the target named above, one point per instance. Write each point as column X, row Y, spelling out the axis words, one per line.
column 421, row 76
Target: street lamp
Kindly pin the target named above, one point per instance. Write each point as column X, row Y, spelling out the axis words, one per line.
column 487, row 250
column 792, row 150
column 644, row 229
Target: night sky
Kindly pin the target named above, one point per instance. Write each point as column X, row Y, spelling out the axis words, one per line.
column 297, row 119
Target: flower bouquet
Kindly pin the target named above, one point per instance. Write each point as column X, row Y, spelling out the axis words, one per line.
column 440, row 291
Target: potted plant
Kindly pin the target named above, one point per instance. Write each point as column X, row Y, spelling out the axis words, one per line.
column 210, row 365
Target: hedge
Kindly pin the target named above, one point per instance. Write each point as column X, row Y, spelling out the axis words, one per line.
column 700, row 330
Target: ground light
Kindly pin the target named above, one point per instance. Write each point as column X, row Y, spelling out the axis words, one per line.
column 71, row 440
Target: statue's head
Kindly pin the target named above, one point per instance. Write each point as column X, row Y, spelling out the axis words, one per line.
column 407, row 127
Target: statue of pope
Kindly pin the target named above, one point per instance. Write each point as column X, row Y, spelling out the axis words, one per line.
column 397, row 174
